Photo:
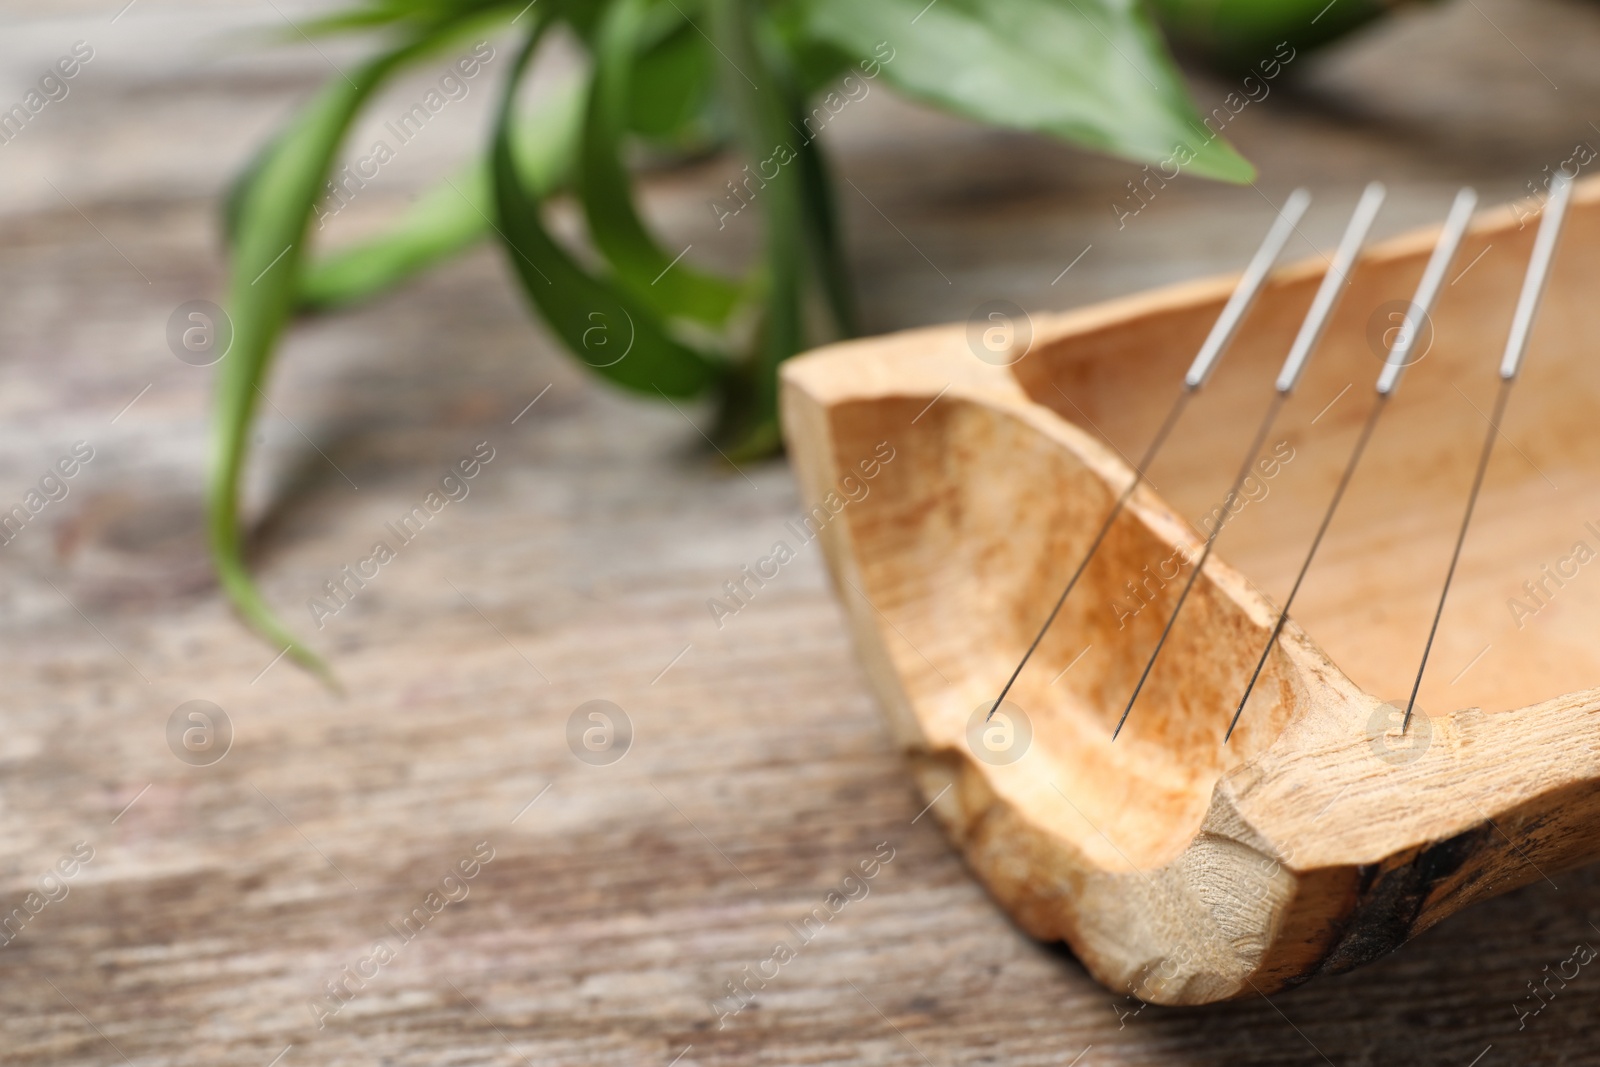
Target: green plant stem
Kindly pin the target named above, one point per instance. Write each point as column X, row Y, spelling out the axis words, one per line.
column 662, row 280
column 763, row 121
column 617, row 336
column 449, row 217
column 272, row 211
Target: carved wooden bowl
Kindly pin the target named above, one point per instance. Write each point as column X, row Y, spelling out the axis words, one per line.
column 1177, row 867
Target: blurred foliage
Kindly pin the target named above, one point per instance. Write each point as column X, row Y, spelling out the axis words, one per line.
column 676, row 77
column 1235, row 35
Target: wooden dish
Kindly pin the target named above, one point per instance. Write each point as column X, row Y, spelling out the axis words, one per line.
column 1178, row 868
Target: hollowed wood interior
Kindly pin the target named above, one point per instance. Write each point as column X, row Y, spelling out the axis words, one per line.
column 1302, row 845
column 966, row 542
column 1370, row 596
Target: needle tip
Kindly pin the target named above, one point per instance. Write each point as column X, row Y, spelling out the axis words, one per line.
column 1236, row 715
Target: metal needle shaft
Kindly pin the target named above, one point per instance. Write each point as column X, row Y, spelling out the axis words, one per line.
column 1332, row 288
column 1221, row 514
column 1417, row 318
column 1222, row 333
column 1316, row 542
column 1533, row 283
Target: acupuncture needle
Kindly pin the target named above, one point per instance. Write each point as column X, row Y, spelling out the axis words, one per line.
column 1400, row 356
column 1315, row 325
column 1222, row 333
column 1533, row 285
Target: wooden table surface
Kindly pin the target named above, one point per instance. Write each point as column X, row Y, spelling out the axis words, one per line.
column 220, row 903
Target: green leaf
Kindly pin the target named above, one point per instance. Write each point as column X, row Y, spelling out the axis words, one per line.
column 233, row 199
column 794, row 64
column 764, row 116
column 815, row 63
column 1091, row 71
column 1255, row 36
column 670, row 86
column 271, row 216
column 417, row 17
column 662, row 281
column 450, row 216
column 797, row 66
column 617, row 336
column 823, row 244
column 668, row 98
column 445, row 220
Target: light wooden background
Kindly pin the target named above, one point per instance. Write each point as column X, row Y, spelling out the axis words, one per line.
column 220, row 899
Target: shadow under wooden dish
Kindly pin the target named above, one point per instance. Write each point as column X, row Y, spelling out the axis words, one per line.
column 1177, row 867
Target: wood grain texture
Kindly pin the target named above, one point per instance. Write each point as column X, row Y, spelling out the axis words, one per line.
column 616, row 907
column 1318, row 838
